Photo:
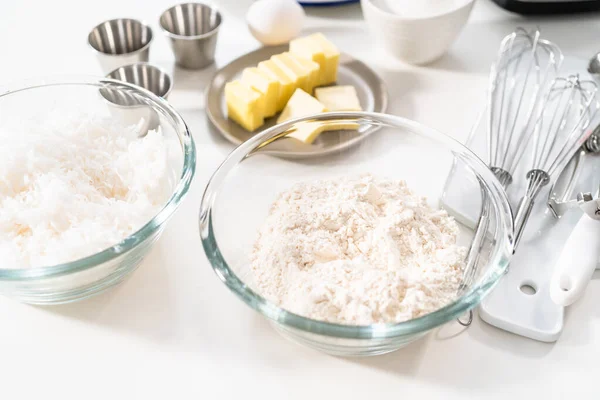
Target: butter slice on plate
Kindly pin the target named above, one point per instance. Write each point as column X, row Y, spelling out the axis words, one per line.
column 332, row 57
column 265, row 84
column 308, row 131
column 293, row 70
column 301, row 104
column 314, row 70
column 310, row 50
column 317, row 48
column 338, row 98
column 286, row 85
column 245, row 105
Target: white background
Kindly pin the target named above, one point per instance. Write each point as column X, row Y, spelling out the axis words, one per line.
column 173, row 331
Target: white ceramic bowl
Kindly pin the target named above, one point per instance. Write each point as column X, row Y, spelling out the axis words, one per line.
column 416, row 40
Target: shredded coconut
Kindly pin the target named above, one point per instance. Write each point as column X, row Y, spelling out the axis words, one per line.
column 71, row 188
column 357, row 251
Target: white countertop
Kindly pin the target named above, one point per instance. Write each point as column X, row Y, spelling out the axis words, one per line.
column 173, row 331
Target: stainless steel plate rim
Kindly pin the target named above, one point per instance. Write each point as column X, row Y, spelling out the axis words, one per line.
column 355, row 67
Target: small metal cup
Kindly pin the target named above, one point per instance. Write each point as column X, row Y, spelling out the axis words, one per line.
column 145, row 75
column 192, row 28
column 120, row 42
column 130, row 110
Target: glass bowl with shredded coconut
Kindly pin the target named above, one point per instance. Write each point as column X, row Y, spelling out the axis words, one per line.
column 84, row 192
column 355, row 253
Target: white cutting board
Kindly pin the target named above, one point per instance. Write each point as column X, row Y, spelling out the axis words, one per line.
column 521, row 301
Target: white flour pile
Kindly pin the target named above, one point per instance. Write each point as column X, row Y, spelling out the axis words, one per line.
column 357, row 251
column 70, row 188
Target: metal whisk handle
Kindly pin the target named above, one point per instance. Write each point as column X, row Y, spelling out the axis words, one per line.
column 536, row 179
column 523, row 213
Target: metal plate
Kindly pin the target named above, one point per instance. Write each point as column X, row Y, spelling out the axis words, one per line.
column 369, row 89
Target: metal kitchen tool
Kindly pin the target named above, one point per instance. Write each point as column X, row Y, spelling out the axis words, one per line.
column 580, row 255
column 521, row 302
column 192, row 29
column 120, row 42
column 129, row 109
column 560, row 199
column 560, row 129
column 145, row 75
column 524, row 66
column 520, row 55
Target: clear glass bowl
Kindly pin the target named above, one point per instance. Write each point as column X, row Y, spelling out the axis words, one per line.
column 73, row 95
column 238, row 197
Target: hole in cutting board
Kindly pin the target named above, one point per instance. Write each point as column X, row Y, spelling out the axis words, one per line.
column 528, row 289
column 565, row 283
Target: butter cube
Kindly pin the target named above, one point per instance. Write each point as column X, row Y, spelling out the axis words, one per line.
column 308, row 131
column 307, row 49
column 286, row 85
column 314, row 69
column 265, row 84
column 332, row 57
column 317, row 48
column 293, row 70
column 338, row 98
column 245, row 105
column 301, row 104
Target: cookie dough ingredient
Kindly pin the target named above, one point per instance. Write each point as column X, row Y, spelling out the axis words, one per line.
column 71, row 187
column 357, row 251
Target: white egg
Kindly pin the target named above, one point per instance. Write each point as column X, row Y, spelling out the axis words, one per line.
column 274, row 22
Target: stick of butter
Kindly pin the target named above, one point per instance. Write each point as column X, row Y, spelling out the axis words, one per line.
column 338, row 98
column 301, row 104
column 308, row 131
column 286, row 85
column 310, row 50
column 245, row 105
column 314, row 70
column 265, row 84
column 317, row 48
column 294, row 71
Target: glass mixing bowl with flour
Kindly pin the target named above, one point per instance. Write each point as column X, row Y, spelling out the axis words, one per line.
column 352, row 253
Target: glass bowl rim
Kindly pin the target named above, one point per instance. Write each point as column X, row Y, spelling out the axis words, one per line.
column 146, row 231
column 500, row 257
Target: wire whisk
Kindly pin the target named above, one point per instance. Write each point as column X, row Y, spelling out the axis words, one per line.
column 560, row 130
column 524, row 67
